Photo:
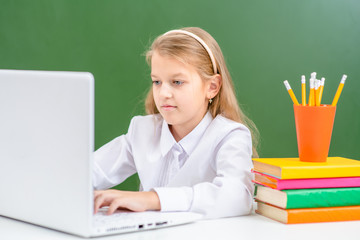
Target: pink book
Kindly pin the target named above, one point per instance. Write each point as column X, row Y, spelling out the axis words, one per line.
column 280, row 184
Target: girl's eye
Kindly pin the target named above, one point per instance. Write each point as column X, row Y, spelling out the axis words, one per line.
column 155, row 82
column 178, row 82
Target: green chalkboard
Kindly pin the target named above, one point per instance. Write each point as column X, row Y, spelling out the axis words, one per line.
column 264, row 43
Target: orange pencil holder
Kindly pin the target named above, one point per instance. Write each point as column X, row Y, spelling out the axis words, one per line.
column 314, row 127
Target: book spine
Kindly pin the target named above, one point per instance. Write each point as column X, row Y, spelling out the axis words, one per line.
column 319, row 172
column 282, row 184
column 292, row 168
column 319, row 183
column 331, row 214
column 327, row 197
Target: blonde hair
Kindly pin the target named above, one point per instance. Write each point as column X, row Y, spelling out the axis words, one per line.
column 187, row 49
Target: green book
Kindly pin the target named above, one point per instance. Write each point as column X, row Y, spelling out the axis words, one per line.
column 309, row 198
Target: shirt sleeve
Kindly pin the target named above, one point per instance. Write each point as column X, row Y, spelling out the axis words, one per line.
column 113, row 162
column 229, row 194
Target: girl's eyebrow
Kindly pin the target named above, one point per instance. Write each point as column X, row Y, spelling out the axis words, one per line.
column 174, row 75
column 153, row 75
column 179, row 75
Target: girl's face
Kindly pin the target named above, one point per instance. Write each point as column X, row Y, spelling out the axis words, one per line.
column 180, row 95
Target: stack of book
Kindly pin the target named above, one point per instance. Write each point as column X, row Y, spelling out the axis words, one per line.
column 291, row 191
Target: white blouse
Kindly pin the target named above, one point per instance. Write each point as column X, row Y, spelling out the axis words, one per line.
column 208, row 171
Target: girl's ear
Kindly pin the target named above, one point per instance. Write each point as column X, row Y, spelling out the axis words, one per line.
column 214, row 86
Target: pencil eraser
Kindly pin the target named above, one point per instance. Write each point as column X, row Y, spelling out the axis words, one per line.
column 322, row 81
column 343, row 78
column 313, row 75
column 287, row 85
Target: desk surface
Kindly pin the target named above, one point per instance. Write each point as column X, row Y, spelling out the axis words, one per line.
column 246, row 227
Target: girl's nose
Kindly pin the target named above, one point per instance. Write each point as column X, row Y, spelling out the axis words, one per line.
column 165, row 91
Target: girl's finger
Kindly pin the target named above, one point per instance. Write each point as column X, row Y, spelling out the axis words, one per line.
column 115, row 204
column 99, row 199
column 97, row 193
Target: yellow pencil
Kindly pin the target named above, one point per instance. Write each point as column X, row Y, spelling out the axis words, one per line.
column 317, row 92
column 303, row 90
column 338, row 91
column 291, row 93
column 312, row 92
column 322, row 84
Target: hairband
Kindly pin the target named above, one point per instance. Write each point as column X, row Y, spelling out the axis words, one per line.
column 201, row 42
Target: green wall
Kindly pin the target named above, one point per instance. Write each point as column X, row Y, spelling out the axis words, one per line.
column 264, row 43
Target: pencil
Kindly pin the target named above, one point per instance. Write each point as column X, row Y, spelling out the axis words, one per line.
column 303, row 90
column 291, row 93
column 338, row 91
column 312, row 92
column 312, row 89
column 317, row 92
column 322, row 84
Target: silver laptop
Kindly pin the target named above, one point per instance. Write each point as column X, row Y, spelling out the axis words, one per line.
column 46, row 156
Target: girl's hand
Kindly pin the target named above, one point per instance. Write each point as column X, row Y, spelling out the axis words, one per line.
column 134, row 201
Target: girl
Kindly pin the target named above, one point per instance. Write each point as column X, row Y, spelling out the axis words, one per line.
column 193, row 151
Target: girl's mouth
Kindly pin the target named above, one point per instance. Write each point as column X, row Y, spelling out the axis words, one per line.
column 168, row 107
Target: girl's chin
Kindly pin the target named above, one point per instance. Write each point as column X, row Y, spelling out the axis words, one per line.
column 171, row 118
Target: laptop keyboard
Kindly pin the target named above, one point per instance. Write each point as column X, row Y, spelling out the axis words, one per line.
column 125, row 220
column 101, row 218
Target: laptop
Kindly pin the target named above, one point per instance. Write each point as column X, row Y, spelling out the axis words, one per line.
column 46, row 156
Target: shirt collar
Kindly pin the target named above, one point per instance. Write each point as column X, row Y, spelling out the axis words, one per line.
column 189, row 142
column 167, row 140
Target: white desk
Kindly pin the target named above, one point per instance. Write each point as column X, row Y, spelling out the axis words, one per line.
column 251, row 227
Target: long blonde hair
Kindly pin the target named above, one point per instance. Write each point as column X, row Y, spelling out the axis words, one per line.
column 186, row 49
